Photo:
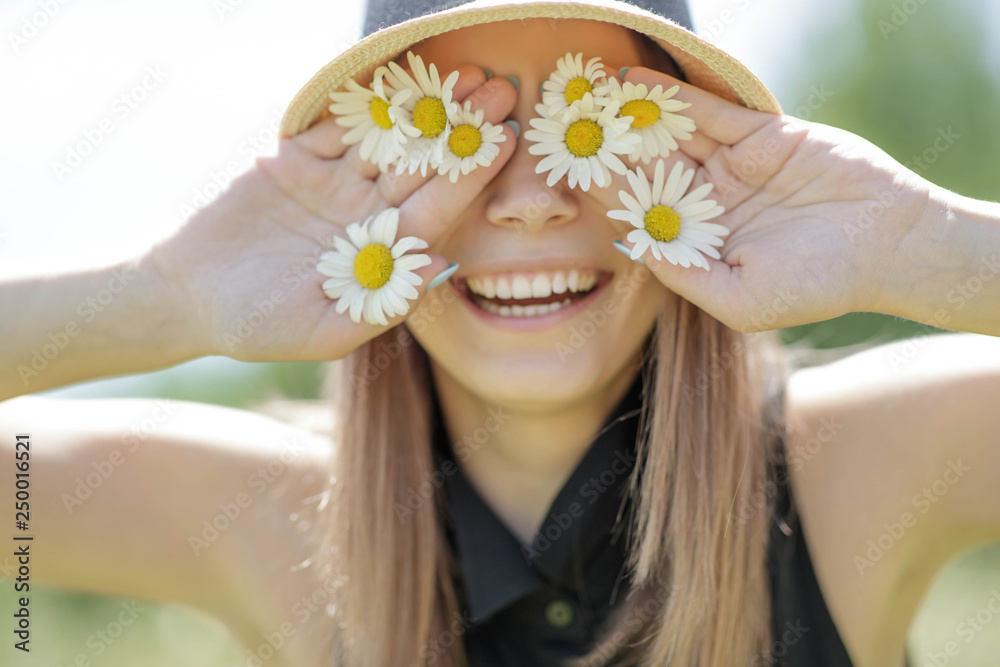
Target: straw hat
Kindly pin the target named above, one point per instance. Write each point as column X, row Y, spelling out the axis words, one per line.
column 703, row 65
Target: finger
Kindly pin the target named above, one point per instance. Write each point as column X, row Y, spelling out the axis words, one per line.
column 433, row 208
column 324, row 139
column 610, row 196
column 712, row 291
column 721, row 120
column 364, row 168
column 396, row 187
column 395, row 303
column 433, row 204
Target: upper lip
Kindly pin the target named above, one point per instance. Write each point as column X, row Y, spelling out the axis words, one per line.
column 498, row 265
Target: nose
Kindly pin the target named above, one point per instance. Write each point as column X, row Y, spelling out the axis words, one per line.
column 518, row 198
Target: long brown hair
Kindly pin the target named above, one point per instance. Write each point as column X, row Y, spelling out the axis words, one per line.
column 697, row 535
column 697, row 558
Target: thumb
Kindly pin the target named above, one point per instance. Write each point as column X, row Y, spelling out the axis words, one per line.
column 709, row 289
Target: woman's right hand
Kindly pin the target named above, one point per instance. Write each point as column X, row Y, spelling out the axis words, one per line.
column 245, row 266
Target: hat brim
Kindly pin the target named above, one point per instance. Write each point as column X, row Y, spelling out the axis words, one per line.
column 703, row 64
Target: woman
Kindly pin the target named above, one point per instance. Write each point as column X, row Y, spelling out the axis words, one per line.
column 466, row 432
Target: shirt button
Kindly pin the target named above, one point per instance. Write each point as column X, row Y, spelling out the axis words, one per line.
column 559, row 613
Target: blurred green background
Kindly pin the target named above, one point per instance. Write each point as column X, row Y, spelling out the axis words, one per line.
column 896, row 73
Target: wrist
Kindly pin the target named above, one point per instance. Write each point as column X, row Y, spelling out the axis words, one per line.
column 945, row 271
column 161, row 313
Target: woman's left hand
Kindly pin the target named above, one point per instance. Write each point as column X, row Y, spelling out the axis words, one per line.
column 821, row 221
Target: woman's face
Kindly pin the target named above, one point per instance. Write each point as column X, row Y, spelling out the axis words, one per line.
column 518, row 230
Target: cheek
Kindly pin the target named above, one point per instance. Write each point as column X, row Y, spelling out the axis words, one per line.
column 427, row 321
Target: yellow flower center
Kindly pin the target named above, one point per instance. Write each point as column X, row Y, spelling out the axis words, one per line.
column 663, row 223
column 577, row 88
column 465, row 140
column 584, row 138
column 373, row 266
column 379, row 110
column 644, row 113
column 429, row 116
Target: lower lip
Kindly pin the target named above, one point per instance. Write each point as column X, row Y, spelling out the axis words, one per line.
column 535, row 322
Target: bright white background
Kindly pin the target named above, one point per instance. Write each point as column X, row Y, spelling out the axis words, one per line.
column 228, row 70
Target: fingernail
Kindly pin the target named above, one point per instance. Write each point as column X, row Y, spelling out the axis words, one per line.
column 443, row 276
column 623, row 249
column 488, row 73
column 514, row 125
column 514, row 81
column 622, row 72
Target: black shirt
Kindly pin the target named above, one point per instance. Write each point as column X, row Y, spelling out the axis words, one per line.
column 540, row 603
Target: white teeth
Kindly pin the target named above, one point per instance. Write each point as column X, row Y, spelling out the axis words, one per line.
column 503, row 288
column 532, row 285
column 521, row 289
column 559, row 283
column 536, row 310
column 540, row 286
column 489, row 289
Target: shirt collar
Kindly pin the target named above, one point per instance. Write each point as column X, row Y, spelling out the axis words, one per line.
column 578, row 534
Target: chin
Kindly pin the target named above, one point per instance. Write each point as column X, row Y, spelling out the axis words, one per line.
column 536, row 340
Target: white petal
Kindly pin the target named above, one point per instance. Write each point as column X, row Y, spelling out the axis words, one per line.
column 383, row 229
column 358, row 234
column 406, row 244
column 412, row 262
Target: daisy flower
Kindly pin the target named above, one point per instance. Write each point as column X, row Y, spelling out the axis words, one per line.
column 654, row 117
column 376, row 118
column 471, row 143
column 668, row 219
column 430, row 106
column 570, row 81
column 584, row 142
column 369, row 272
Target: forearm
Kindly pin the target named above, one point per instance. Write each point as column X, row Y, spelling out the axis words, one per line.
column 59, row 329
column 952, row 279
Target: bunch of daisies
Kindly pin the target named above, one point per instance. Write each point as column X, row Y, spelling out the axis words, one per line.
column 409, row 119
column 587, row 122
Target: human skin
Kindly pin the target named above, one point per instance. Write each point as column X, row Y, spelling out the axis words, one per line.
column 788, row 221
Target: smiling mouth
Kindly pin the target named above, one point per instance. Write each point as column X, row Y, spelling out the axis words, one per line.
column 531, row 294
